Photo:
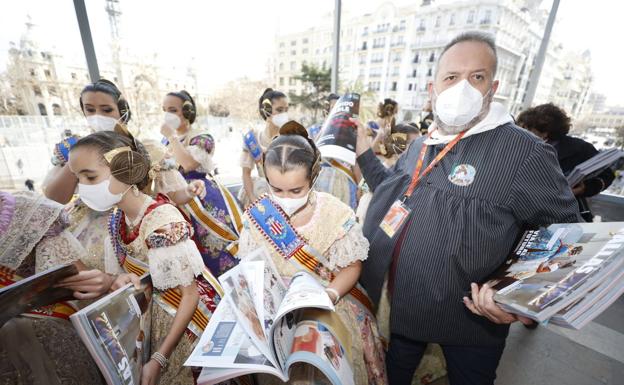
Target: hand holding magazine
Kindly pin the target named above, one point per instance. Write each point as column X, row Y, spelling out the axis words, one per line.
column 266, row 326
column 116, row 331
column 566, row 273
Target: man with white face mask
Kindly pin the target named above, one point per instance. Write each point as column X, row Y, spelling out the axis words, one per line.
column 447, row 215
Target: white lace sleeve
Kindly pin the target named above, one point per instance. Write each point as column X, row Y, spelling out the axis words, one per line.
column 202, row 157
column 111, row 263
column 175, row 265
column 170, row 180
column 58, row 250
column 352, row 247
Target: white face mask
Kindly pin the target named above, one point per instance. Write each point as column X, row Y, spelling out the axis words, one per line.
column 172, row 120
column 101, row 123
column 98, row 196
column 459, row 104
column 291, row 205
column 280, row 119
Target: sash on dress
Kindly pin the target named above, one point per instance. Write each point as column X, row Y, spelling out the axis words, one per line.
column 253, row 146
column 275, row 227
column 60, row 310
column 168, row 300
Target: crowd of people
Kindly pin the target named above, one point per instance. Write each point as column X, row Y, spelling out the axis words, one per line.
column 427, row 213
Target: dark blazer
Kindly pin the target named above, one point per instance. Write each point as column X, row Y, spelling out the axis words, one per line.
column 574, row 151
column 459, row 232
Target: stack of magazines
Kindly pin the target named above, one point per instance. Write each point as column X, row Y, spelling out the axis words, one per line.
column 594, row 166
column 566, row 274
column 264, row 325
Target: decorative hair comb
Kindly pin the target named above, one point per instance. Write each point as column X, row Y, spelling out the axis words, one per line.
column 109, row 156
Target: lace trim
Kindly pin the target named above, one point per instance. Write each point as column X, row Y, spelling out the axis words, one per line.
column 351, row 248
column 176, row 265
column 168, row 181
column 58, row 250
column 6, row 210
column 33, row 216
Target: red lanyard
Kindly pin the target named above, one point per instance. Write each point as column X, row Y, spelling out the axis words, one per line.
column 417, row 176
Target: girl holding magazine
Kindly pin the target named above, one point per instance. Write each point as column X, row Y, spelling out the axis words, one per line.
column 332, row 238
column 148, row 234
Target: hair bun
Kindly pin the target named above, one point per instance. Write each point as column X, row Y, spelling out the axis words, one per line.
column 293, row 128
column 130, row 167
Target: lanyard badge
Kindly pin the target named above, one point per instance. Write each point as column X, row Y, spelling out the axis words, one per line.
column 399, row 212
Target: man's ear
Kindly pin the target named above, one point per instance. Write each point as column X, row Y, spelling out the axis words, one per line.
column 494, row 86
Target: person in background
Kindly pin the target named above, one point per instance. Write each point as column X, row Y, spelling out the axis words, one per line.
column 426, row 118
column 30, row 184
column 273, row 109
column 216, row 215
column 551, row 123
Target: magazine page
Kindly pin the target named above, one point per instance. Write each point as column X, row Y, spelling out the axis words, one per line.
column 338, row 134
column 116, row 331
column 550, row 265
column 321, row 340
column 243, row 302
column 304, row 291
column 225, row 345
column 23, row 295
column 274, row 288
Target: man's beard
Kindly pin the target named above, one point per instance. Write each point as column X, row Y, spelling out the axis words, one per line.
column 445, row 129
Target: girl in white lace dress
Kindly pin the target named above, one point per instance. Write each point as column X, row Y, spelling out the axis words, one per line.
column 328, row 225
column 151, row 233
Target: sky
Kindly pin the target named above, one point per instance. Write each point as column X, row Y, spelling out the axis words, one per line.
column 234, row 38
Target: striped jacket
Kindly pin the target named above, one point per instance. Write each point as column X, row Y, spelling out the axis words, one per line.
column 461, row 227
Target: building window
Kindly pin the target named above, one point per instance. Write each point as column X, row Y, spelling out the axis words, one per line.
column 471, row 16
column 429, row 72
column 293, row 52
column 487, row 19
column 42, row 109
column 363, row 45
column 47, row 73
column 452, row 19
column 305, row 41
column 56, row 109
column 409, row 87
column 293, row 65
column 437, row 22
column 32, row 72
column 293, row 43
column 282, row 45
column 432, row 57
column 37, row 91
column 281, row 81
column 394, row 86
column 414, row 73
column 73, row 76
column 304, row 51
column 52, row 91
column 365, row 32
column 292, row 82
column 281, row 66
column 415, row 58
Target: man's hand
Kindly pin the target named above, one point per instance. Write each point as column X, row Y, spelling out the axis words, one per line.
column 88, row 284
column 362, row 143
column 482, row 303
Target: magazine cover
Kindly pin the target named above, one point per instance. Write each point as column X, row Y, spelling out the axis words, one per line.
column 554, row 267
column 338, row 134
column 19, row 296
column 265, row 325
column 116, row 331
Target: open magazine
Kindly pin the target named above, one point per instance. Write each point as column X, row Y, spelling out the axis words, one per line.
column 265, row 325
column 28, row 294
column 567, row 273
column 116, row 331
